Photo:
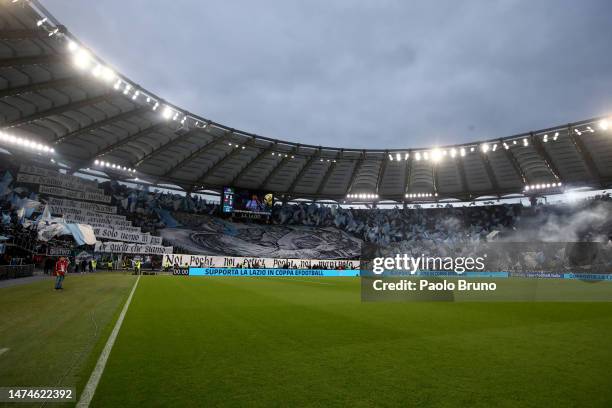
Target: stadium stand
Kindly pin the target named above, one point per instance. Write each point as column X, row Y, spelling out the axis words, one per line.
column 296, row 231
column 66, row 112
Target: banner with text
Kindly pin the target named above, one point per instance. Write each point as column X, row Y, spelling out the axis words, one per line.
column 122, row 235
column 209, row 261
column 95, row 207
column 59, row 211
column 110, row 222
column 60, row 180
column 127, row 248
column 126, row 228
column 77, row 195
column 40, row 171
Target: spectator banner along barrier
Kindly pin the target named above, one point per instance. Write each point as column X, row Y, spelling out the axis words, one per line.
column 202, row 261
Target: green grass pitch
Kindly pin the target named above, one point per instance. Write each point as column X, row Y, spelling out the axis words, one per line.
column 201, row 341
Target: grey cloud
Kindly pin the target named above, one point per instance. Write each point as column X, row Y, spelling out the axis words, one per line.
column 362, row 73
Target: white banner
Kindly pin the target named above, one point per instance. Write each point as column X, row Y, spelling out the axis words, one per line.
column 64, row 202
column 97, row 219
column 126, row 236
column 77, row 195
column 127, row 228
column 60, row 180
column 207, row 261
column 125, row 248
column 59, row 211
column 40, row 171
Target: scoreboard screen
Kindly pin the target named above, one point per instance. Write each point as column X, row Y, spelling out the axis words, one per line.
column 246, row 201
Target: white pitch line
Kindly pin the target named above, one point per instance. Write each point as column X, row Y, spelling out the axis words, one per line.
column 3, row 350
column 96, row 374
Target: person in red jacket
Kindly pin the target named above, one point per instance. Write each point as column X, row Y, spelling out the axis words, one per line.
column 61, row 267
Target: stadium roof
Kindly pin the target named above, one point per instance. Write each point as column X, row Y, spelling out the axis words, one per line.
column 55, row 91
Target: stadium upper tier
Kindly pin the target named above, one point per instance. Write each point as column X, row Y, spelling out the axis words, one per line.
column 56, row 92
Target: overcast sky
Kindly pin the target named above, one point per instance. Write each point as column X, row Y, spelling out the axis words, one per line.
column 354, row 73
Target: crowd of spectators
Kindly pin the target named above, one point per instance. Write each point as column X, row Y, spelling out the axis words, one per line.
column 446, row 230
column 386, row 226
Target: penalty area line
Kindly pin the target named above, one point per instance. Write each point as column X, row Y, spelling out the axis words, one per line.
column 96, row 374
column 3, row 350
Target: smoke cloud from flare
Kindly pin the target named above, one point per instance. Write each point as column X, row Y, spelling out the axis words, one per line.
column 568, row 223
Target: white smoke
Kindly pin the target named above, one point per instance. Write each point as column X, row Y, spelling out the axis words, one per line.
column 569, row 223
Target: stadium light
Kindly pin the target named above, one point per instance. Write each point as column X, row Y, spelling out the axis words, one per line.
column 603, row 124
column 453, row 152
column 462, row 152
column 525, row 142
column 484, row 147
column 556, row 136
column 436, row 155
column 417, row 156
column 27, row 143
column 97, row 71
column 167, row 112
column 542, row 186
column 108, row 74
column 82, row 59
column 398, row 156
column 102, row 163
column 72, row 46
column 104, row 73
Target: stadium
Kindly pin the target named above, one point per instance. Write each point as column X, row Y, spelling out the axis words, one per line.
column 152, row 256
